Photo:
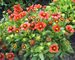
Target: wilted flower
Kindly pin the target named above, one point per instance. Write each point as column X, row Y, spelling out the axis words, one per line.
column 23, row 46
column 4, row 47
column 32, row 25
column 32, row 42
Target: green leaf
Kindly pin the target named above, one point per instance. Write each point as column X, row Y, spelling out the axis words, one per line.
column 41, row 56
column 16, row 58
column 34, row 58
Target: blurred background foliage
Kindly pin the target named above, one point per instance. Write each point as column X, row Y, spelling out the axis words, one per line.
column 23, row 3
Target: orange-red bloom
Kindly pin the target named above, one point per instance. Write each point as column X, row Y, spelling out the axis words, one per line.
column 9, row 11
column 25, row 26
column 73, row 1
column 37, row 6
column 56, row 16
column 22, row 14
column 11, row 16
column 16, row 30
column 69, row 28
column 30, row 8
column 1, row 56
column 40, row 26
column 16, row 17
column 10, row 56
column 17, row 8
column 54, row 48
column 10, row 29
column 44, row 15
column 56, row 28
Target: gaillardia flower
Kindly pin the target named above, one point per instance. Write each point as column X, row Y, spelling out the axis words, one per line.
column 56, row 16
column 69, row 28
column 17, row 8
column 44, row 15
column 10, row 56
column 56, row 28
column 22, row 14
column 10, row 29
column 1, row 56
column 25, row 26
column 54, row 48
column 40, row 26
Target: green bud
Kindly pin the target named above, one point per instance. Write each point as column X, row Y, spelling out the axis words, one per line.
column 63, row 31
column 38, row 38
column 11, row 36
column 7, row 38
column 73, row 21
column 24, row 39
column 49, row 43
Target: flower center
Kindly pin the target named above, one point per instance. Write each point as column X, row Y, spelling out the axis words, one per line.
column 9, row 56
column 57, row 28
column 44, row 14
column 32, row 25
column 24, row 25
column 10, row 28
column 40, row 26
column 54, row 48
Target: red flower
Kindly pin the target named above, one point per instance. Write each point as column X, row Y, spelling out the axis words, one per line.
column 44, row 6
column 1, row 56
column 22, row 14
column 16, row 17
column 9, row 11
column 56, row 16
column 10, row 29
column 16, row 30
column 30, row 8
column 44, row 15
column 73, row 1
column 69, row 28
column 11, row 16
column 54, row 48
column 72, row 31
column 10, row 56
column 17, row 8
column 32, row 26
column 40, row 26
column 37, row 6
column 56, row 28
column 25, row 26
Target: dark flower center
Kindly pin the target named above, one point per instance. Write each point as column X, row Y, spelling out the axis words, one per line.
column 24, row 25
column 54, row 48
